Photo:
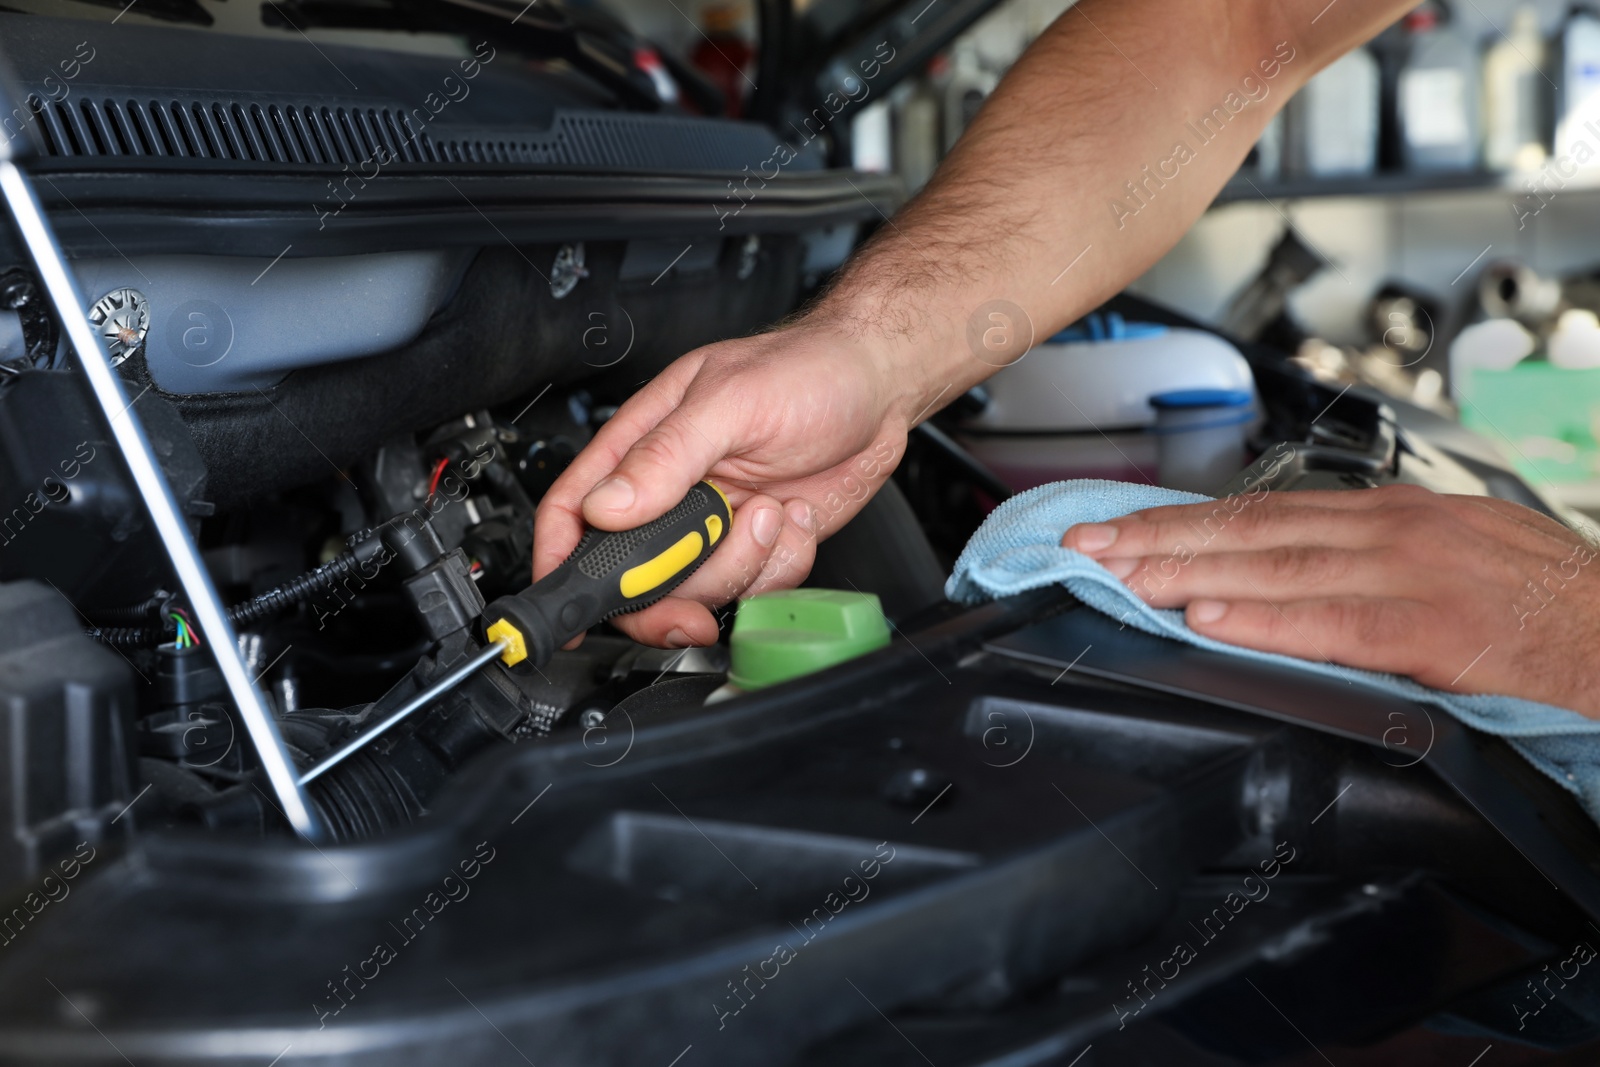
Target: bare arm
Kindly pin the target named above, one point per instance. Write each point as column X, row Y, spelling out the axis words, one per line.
column 1146, row 104
column 1100, row 148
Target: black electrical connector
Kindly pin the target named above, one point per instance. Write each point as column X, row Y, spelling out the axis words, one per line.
column 408, row 540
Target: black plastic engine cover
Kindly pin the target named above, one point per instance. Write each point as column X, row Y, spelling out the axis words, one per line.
column 69, row 513
column 503, row 336
column 66, row 723
column 943, row 836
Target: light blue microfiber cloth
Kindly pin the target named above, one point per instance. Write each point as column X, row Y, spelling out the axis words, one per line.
column 1018, row 548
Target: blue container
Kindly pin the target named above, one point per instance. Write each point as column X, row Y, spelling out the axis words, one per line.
column 1201, row 436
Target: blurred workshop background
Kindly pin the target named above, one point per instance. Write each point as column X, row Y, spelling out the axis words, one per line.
column 1423, row 218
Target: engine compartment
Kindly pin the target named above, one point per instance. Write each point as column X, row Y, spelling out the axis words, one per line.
column 358, row 405
column 350, row 593
column 626, row 867
column 1007, row 835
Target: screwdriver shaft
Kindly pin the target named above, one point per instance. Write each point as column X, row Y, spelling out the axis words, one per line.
column 421, row 700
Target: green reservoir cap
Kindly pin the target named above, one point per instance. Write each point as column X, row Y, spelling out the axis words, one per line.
column 779, row 636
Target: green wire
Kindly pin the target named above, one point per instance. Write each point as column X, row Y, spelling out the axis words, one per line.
column 188, row 628
column 183, row 640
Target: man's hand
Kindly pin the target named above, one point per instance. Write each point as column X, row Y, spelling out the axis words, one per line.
column 799, row 427
column 1079, row 172
column 1468, row 594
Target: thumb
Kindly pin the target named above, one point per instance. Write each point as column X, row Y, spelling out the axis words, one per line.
column 654, row 474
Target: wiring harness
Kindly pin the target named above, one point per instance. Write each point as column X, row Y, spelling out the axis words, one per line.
column 404, row 537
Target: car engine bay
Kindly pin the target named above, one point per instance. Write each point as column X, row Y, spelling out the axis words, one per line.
column 360, row 390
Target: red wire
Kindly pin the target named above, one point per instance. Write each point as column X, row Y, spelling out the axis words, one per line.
column 194, row 634
column 438, row 472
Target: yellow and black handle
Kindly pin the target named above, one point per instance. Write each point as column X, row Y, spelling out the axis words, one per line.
column 608, row 574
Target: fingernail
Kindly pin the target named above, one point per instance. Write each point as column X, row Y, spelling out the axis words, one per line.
column 765, row 526
column 1120, row 568
column 678, row 639
column 799, row 513
column 612, row 494
column 1204, row 611
column 1094, row 536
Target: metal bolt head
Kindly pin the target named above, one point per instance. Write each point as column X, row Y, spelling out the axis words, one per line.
column 567, row 270
column 916, row 786
column 749, row 255
column 122, row 318
column 16, row 293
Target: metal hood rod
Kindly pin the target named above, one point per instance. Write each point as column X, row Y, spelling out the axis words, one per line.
column 106, row 385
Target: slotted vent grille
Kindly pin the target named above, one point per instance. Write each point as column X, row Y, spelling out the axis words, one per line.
column 232, row 131
column 342, row 134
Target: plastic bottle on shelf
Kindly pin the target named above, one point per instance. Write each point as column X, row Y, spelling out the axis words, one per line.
column 1439, row 93
column 1576, row 143
column 1332, row 129
column 1494, row 344
column 723, row 55
column 1391, row 48
column 1041, row 13
column 916, row 129
column 1200, row 436
column 1269, row 150
column 968, row 87
column 872, row 139
column 1514, row 98
column 1575, row 342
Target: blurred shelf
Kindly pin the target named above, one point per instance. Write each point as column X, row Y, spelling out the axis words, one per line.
column 1243, row 188
column 1584, row 496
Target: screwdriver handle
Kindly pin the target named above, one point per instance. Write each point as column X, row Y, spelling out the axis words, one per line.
column 609, row 574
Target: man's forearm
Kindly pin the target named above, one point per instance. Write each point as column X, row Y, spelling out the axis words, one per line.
column 1101, row 147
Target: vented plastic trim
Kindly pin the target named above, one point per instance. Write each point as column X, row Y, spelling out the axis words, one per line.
column 332, row 134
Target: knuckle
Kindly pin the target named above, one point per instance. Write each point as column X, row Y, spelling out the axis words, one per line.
column 1437, row 526
column 1373, row 632
column 1300, row 565
column 1279, row 630
column 660, row 447
column 729, row 581
column 1251, row 521
column 1353, row 621
column 1148, row 579
column 1294, row 627
column 1405, row 493
column 1204, row 523
column 1410, row 525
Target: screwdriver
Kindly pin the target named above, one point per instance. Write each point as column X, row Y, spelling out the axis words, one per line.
column 606, row 575
column 609, row 573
